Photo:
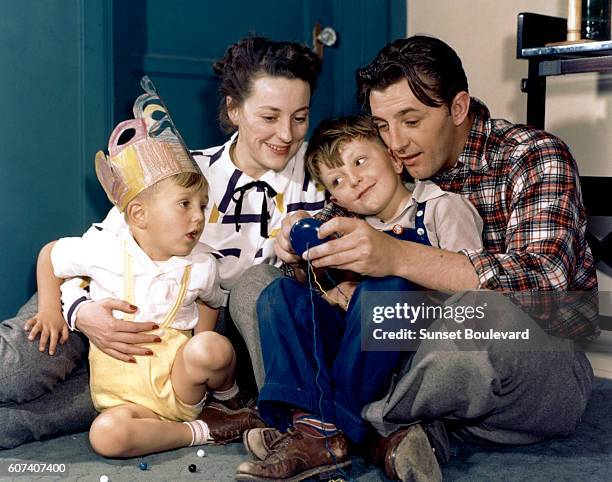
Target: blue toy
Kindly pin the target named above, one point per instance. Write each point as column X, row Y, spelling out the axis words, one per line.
column 303, row 235
column 143, row 466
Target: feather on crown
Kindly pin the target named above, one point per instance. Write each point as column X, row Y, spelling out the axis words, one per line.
column 154, row 151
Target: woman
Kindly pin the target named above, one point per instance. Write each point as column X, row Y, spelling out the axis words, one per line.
column 255, row 178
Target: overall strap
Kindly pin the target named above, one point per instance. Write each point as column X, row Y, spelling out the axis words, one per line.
column 180, row 297
column 419, row 223
column 128, row 287
column 128, row 280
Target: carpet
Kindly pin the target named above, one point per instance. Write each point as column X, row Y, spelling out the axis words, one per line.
column 587, row 455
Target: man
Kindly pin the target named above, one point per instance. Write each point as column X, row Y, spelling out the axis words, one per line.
column 524, row 184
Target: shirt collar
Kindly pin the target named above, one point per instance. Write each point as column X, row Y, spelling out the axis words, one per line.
column 277, row 180
column 115, row 223
column 422, row 191
column 473, row 154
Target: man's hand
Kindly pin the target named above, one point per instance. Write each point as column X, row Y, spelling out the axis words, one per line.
column 117, row 338
column 282, row 246
column 361, row 248
column 51, row 327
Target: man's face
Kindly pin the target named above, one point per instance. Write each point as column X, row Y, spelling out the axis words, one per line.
column 423, row 138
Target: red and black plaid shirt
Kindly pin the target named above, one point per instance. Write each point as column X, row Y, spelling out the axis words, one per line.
column 524, row 183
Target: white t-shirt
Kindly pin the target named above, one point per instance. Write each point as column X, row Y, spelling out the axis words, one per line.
column 239, row 250
column 99, row 255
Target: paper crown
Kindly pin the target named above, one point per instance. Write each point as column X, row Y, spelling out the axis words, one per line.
column 152, row 150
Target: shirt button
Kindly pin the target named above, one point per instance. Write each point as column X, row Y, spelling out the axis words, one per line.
column 419, row 212
column 161, row 332
column 420, row 231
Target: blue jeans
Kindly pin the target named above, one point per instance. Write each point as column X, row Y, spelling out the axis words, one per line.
column 319, row 367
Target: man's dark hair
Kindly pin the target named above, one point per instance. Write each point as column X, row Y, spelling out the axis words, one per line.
column 432, row 69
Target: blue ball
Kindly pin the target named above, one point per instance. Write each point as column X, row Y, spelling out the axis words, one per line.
column 143, row 466
column 303, row 235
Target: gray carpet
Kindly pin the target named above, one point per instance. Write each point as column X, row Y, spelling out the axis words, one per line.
column 585, row 456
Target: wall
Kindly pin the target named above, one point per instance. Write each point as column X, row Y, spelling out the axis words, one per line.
column 55, row 97
column 483, row 32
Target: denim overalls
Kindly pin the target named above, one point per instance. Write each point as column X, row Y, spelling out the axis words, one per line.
column 337, row 379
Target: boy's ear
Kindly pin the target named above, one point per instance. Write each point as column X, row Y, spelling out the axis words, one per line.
column 136, row 213
column 460, row 107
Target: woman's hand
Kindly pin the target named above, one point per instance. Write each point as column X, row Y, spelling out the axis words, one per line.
column 282, row 246
column 117, row 338
column 52, row 328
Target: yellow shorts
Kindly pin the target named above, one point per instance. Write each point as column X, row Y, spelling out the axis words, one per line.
column 146, row 382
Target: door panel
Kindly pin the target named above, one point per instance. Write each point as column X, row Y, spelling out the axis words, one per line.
column 177, row 47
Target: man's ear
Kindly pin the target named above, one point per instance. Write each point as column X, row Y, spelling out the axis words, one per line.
column 460, row 107
column 398, row 165
column 136, row 213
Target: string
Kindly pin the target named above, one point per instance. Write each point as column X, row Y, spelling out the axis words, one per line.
column 310, row 270
column 333, row 282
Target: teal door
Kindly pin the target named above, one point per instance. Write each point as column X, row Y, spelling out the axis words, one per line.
column 71, row 69
column 177, row 43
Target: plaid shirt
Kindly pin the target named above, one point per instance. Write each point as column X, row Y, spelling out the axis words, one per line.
column 524, row 183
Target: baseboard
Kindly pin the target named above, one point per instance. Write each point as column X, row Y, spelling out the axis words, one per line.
column 602, row 364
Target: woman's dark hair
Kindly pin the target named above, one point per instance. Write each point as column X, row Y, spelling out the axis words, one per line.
column 432, row 68
column 251, row 57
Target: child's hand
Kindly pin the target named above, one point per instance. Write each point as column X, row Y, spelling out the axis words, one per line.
column 341, row 294
column 51, row 327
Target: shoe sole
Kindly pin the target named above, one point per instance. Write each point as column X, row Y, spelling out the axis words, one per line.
column 413, row 460
column 250, row 451
column 323, row 472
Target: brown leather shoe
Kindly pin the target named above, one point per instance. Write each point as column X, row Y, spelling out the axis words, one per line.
column 412, row 454
column 227, row 425
column 297, row 455
column 259, row 441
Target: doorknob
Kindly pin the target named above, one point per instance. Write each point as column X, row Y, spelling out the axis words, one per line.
column 323, row 37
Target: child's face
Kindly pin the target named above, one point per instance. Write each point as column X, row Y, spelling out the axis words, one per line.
column 368, row 181
column 175, row 221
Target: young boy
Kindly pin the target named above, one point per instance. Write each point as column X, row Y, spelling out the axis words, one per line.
column 336, row 378
column 151, row 257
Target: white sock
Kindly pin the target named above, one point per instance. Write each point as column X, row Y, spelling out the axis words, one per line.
column 200, row 434
column 226, row 394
